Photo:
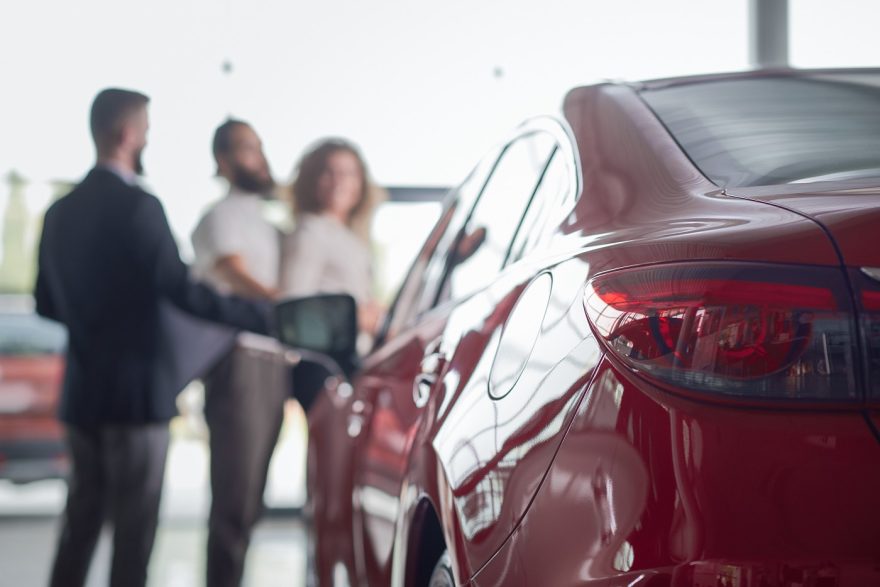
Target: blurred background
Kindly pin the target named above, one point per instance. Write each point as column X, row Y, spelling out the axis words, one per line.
column 423, row 88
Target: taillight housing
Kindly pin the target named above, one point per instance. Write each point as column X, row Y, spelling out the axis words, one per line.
column 741, row 329
column 868, row 289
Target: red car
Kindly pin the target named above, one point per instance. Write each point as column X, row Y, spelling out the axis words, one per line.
column 31, row 369
column 641, row 347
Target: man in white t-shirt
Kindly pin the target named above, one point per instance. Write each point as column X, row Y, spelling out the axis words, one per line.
column 237, row 249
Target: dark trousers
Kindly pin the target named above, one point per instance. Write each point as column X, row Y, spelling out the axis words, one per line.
column 116, row 475
column 244, row 408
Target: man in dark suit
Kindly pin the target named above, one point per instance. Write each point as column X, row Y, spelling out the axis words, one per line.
column 107, row 264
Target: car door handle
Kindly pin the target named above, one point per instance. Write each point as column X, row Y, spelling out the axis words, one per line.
column 432, row 364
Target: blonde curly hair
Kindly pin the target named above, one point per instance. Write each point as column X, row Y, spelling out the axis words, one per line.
column 304, row 190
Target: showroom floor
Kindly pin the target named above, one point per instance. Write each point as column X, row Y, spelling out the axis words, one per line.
column 276, row 559
column 29, row 520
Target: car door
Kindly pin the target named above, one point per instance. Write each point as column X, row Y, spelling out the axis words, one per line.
column 398, row 376
column 342, row 415
column 520, row 355
column 382, row 408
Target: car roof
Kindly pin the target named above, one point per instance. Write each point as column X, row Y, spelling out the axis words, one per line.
column 661, row 83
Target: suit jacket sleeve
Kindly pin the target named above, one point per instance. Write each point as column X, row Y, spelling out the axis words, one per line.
column 156, row 253
column 45, row 306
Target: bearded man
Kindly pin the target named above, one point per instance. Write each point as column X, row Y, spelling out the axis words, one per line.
column 237, row 250
column 108, row 264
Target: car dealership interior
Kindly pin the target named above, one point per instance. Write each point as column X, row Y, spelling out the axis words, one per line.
column 487, row 293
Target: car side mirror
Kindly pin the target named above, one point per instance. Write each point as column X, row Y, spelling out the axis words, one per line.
column 322, row 330
column 324, row 324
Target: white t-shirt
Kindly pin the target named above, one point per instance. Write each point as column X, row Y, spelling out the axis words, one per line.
column 237, row 225
column 324, row 256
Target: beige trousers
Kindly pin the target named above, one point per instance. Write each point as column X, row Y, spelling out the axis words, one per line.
column 244, row 408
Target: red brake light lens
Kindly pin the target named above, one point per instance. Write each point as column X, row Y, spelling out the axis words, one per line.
column 869, row 299
column 742, row 329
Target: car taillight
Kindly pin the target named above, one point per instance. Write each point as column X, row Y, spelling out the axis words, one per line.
column 869, row 299
column 742, row 329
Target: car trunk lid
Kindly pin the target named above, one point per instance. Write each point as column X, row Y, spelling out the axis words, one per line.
column 850, row 212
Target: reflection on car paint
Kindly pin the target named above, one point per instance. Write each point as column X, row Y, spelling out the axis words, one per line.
column 586, row 471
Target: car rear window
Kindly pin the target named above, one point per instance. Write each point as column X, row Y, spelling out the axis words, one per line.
column 776, row 130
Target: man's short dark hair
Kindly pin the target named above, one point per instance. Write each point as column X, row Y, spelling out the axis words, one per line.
column 222, row 142
column 109, row 110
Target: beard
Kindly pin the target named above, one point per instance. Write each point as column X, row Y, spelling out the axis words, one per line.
column 251, row 181
column 138, row 163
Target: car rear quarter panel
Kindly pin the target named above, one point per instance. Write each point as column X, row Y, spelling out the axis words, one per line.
column 494, row 451
column 648, row 487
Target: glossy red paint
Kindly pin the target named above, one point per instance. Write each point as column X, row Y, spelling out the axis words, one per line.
column 491, row 422
column 851, row 214
column 648, row 488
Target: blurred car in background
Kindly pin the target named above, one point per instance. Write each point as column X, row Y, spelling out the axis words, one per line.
column 31, row 369
column 640, row 347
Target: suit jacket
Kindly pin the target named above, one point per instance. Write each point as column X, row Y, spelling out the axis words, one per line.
column 108, row 264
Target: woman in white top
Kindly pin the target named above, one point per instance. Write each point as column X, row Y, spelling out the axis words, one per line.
column 329, row 248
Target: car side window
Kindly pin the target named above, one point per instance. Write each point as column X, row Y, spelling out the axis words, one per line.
column 417, row 292
column 481, row 246
column 554, row 190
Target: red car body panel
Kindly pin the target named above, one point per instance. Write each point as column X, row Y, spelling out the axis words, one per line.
column 540, row 459
column 642, row 195
column 340, row 432
column 648, row 489
column 31, row 437
column 386, row 441
column 850, row 214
